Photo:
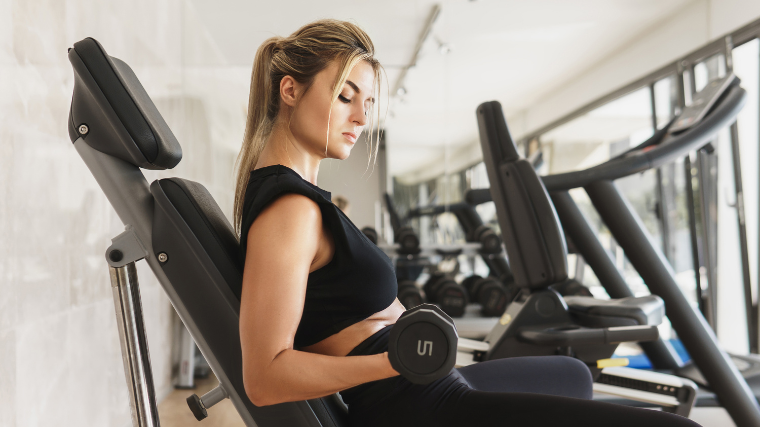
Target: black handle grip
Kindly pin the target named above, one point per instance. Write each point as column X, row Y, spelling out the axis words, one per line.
column 581, row 336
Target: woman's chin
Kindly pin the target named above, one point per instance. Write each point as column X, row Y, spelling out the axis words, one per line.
column 341, row 154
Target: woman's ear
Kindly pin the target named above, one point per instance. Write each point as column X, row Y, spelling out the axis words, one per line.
column 288, row 91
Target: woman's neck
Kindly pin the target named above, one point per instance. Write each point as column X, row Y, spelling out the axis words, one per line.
column 282, row 148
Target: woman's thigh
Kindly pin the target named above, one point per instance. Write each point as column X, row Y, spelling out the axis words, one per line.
column 554, row 375
column 490, row 409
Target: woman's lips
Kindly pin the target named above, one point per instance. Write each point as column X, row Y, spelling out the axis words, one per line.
column 350, row 136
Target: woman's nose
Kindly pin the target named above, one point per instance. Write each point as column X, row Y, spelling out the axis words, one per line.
column 360, row 116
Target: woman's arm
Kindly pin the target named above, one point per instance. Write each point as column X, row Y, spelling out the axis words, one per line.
column 285, row 243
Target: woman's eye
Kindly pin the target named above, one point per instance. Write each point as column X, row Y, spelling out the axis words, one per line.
column 343, row 99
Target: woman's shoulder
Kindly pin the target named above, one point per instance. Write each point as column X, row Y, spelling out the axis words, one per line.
column 271, row 182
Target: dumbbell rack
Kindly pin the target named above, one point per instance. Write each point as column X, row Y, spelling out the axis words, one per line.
column 471, row 325
column 469, row 249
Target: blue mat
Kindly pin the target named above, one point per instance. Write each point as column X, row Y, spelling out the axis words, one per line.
column 641, row 361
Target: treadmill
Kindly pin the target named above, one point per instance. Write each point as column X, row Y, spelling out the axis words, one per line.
column 729, row 381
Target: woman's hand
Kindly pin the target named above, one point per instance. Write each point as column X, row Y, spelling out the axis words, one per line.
column 387, row 364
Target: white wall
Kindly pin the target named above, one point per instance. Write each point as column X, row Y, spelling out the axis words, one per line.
column 357, row 178
column 60, row 360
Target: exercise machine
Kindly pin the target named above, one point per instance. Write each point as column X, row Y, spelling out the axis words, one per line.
column 177, row 228
column 527, row 214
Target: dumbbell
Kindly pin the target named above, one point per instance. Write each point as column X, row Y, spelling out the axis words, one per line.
column 370, row 233
column 490, row 242
column 409, row 294
column 423, row 344
column 447, row 293
column 408, row 242
column 492, row 296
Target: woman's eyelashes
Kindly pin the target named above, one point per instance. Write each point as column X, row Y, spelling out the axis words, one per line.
column 345, row 100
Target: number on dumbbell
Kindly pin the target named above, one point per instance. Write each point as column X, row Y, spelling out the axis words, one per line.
column 424, row 347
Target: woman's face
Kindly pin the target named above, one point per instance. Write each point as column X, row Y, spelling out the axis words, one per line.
column 347, row 116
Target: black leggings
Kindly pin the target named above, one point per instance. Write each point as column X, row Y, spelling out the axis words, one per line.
column 496, row 393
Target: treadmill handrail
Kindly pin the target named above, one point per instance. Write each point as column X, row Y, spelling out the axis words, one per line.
column 670, row 148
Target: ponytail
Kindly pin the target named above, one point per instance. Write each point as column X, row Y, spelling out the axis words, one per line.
column 258, row 123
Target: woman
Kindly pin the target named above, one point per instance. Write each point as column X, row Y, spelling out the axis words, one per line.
column 315, row 290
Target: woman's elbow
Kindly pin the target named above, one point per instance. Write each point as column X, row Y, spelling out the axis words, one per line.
column 258, row 393
column 261, row 399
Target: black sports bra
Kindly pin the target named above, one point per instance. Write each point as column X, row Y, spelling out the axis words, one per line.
column 358, row 282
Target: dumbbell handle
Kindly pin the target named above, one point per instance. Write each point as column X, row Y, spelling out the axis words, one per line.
column 570, row 337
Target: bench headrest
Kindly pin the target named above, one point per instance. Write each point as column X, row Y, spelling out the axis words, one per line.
column 111, row 111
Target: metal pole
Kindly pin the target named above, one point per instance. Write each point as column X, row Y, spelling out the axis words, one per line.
column 706, row 176
column 744, row 246
column 134, row 346
column 695, row 246
column 728, row 48
column 663, row 202
column 660, row 353
column 757, row 220
column 697, row 336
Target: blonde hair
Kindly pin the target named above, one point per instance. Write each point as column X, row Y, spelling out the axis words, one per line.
column 302, row 56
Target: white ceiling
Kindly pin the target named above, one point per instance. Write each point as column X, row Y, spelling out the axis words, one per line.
column 514, row 51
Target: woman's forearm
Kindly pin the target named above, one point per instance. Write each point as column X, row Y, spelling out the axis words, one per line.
column 296, row 375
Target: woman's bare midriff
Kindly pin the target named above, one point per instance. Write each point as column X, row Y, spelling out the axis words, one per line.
column 344, row 341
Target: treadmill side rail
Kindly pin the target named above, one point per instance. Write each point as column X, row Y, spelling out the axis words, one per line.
column 674, row 394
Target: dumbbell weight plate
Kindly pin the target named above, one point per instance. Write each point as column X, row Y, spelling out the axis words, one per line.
column 370, row 233
column 490, row 242
column 468, row 282
column 431, row 282
column 423, row 341
column 423, row 344
column 451, row 297
column 492, row 296
column 408, row 241
column 409, row 294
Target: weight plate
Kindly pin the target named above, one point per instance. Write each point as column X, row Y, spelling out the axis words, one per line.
column 425, row 348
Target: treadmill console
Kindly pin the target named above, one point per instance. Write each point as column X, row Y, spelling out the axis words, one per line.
column 702, row 102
